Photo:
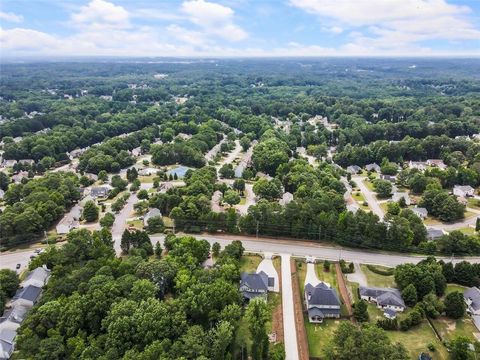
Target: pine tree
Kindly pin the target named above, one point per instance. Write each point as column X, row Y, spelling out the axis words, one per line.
column 158, row 250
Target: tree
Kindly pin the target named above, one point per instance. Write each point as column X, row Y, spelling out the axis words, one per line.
column 393, row 208
column 125, row 242
column 266, row 189
column 239, row 185
column 383, row 188
column 142, row 194
column 155, row 225
column 158, row 250
column 103, row 176
column 477, row 224
column 454, row 305
column 9, row 282
column 460, row 348
column 418, row 183
column 360, row 311
column 226, row 171
column 409, row 295
column 231, row 197
column 257, row 316
column 90, row 211
column 107, row 220
column 216, row 249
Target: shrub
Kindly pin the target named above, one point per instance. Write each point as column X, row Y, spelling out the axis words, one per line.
column 379, row 271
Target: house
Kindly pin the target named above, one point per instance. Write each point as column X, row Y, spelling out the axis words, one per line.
column 354, row 169
column 463, row 190
column 147, row 171
column 17, row 178
column 398, row 195
column 391, row 178
column 37, row 277
column 137, row 151
column 69, row 221
column 27, row 296
column 9, row 163
column 164, row 187
column 385, row 298
column 286, row 198
column 353, row 207
column 239, row 170
column 26, row 162
column 7, row 343
column 99, row 192
column 419, row 165
column 434, row 234
column 373, row 167
column 322, row 302
column 421, row 212
column 390, row 314
column 436, row 163
column 154, row 212
column 253, row 285
column 2, row 194
column 90, row 176
column 13, row 317
column 472, row 299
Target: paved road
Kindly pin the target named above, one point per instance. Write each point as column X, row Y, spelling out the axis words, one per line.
column 459, row 224
column 369, row 197
column 231, row 155
column 311, row 276
column 289, row 331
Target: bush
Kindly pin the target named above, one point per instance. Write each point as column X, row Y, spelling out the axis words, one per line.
column 384, row 272
column 388, row 324
column 326, row 265
column 346, row 269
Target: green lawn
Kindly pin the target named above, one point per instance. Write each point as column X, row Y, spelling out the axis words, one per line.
column 301, row 273
column 138, row 224
column 449, row 328
column 168, row 222
column 416, row 340
column 243, row 200
column 369, row 185
column 455, row 287
column 467, row 230
column 249, row 263
column 360, row 199
column 318, row 335
column 473, row 203
column 377, row 280
column 329, row 277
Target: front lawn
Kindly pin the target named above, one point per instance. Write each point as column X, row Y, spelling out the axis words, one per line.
column 249, row 263
column 319, row 335
column 473, row 203
column 377, row 280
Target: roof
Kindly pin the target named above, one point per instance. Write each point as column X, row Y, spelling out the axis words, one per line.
column 473, row 294
column 433, row 233
column 7, row 335
column 373, row 166
column 390, row 312
column 153, row 212
column 39, row 274
column 322, row 295
column 99, row 191
column 464, row 188
column 255, row 281
column 29, row 293
column 16, row 314
column 420, row 211
column 384, row 296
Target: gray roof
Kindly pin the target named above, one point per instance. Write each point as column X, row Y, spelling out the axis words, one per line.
column 154, row 212
column 473, row 294
column 30, row 293
column 16, row 314
column 373, row 166
column 315, row 311
column 256, row 281
column 433, row 233
column 384, row 296
column 390, row 312
column 322, row 294
column 7, row 335
column 420, row 211
column 99, row 191
column 6, row 350
column 39, row 274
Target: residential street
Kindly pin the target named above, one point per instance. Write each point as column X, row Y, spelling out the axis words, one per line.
column 290, row 334
column 369, row 196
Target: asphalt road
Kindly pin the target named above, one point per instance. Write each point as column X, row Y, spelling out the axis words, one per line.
column 369, row 197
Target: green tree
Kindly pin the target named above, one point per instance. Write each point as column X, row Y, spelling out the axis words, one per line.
column 383, row 188
column 409, row 295
column 90, row 211
column 107, row 220
column 460, row 348
column 155, row 225
column 142, row 194
column 158, row 250
column 9, row 282
column 231, row 197
column 257, row 316
column 103, row 176
column 454, row 305
column 216, row 249
column 266, row 189
column 360, row 311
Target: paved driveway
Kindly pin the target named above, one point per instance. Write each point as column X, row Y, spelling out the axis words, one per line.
column 311, row 276
column 289, row 331
column 266, row 265
column 358, row 276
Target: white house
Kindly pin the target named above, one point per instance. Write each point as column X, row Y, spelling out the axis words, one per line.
column 286, row 198
column 419, row 165
column 385, row 298
column 463, row 190
column 398, row 195
column 354, row 169
column 421, row 212
column 436, row 163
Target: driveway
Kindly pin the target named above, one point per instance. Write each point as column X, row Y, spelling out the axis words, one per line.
column 249, row 200
column 266, row 265
column 311, row 276
column 358, row 276
column 289, row 330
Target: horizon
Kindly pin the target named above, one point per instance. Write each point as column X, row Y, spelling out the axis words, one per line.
column 240, row 29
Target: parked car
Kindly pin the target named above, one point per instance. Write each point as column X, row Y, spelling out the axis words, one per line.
column 18, row 266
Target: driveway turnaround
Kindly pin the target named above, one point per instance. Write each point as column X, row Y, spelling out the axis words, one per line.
column 290, row 333
column 266, row 265
column 311, row 277
column 358, row 276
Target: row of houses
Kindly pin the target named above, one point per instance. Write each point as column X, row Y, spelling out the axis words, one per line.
column 419, row 165
column 25, row 298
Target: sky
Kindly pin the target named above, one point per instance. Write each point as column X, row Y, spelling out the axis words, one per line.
column 239, row 28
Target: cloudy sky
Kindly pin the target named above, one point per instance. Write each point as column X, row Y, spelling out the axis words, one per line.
column 240, row 28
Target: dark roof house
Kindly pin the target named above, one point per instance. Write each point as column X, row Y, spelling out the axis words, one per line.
column 254, row 285
column 383, row 297
column 322, row 302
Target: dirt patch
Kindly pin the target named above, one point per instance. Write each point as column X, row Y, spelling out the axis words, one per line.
column 451, row 326
column 302, row 341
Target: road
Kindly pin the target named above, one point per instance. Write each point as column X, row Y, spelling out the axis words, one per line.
column 369, row 197
column 289, row 331
column 471, row 221
column 230, row 156
column 297, row 248
column 303, row 152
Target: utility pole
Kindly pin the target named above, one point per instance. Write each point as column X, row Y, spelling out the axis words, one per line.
column 319, row 232
column 257, row 230
column 173, row 225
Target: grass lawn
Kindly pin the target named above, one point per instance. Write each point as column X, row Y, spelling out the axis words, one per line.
column 138, row 224
column 416, row 340
column 469, row 214
column 360, row 199
column 384, row 206
column 430, row 220
column 455, row 287
column 329, row 277
column 167, row 221
column 301, row 273
column 378, row 280
column 147, row 179
column 467, row 230
column 369, row 185
column 473, row 203
column 243, row 200
column 249, row 263
column 318, row 335
column 449, row 328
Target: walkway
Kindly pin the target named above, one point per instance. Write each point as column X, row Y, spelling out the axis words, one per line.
column 290, row 334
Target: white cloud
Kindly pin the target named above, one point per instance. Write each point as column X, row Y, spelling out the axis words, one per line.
column 11, row 17
column 214, row 19
column 396, row 23
column 101, row 14
column 333, row 29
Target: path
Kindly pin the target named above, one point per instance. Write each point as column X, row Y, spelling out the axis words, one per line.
column 342, row 286
column 358, row 276
column 291, row 347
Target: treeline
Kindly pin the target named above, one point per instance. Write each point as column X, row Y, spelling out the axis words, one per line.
column 33, row 207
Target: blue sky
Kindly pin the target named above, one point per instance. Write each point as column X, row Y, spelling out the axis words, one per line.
column 240, row 28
